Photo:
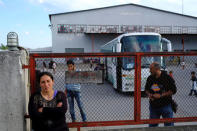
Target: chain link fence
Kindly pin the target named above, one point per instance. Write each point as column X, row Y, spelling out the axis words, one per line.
column 112, row 97
column 101, row 101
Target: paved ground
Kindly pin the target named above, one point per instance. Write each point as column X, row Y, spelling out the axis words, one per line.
column 176, row 128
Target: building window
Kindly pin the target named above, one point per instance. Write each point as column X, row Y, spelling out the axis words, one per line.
column 74, row 50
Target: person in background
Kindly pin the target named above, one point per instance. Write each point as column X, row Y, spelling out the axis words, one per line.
column 178, row 61
column 73, row 91
column 171, row 74
column 159, row 88
column 50, row 64
column 44, row 67
column 98, row 67
column 91, row 63
column 54, row 65
column 47, row 107
column 193, row 84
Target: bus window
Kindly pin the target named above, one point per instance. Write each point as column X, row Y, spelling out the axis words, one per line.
column 128, row 63
column 146, row 61
column 142, row 43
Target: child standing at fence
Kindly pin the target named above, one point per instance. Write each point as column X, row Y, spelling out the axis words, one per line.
column 73, row 92
column 193, row 84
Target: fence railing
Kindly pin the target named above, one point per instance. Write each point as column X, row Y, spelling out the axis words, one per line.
column 120, row 99
column 75, row 28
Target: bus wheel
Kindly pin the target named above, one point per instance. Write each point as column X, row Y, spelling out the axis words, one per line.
column 117, row 90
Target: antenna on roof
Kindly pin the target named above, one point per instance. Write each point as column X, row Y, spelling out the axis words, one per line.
column 182, row 6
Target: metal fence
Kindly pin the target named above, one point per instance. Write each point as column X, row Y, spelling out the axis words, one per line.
column 120, row 99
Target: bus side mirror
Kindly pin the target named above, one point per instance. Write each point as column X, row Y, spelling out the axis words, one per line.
column 168, row 43
column 118, row 47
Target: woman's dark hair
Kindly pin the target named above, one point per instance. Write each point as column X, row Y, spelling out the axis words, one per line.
column 70, row 62
column 45, row 73
column 193, row 73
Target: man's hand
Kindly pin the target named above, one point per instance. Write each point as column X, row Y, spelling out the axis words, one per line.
column 40, row 110
column 59, row 104
column 150, row 96
column 156, row 96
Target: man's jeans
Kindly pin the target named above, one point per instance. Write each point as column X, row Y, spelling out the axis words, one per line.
column 77, row 95
column 165, row 112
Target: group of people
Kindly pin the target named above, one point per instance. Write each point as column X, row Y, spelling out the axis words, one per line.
column 52, row 65
column 47, row 107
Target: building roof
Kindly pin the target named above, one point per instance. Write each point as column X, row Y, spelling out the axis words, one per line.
column 119, row 6
column 41, row 50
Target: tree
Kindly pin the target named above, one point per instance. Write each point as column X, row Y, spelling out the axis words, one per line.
column 3, row 47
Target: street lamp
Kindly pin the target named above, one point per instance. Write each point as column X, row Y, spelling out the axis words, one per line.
column 12, row 41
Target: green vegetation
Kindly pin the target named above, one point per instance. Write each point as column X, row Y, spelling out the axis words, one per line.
column 3, row 47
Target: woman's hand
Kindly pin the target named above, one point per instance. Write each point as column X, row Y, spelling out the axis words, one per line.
column 59, row 104
column 40, row 109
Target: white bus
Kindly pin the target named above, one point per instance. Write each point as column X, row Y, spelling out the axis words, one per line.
column 120, row 71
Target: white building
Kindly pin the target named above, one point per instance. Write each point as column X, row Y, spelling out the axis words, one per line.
column 88, row 30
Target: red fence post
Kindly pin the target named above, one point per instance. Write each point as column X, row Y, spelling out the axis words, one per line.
column 92, row 42
column 32, row 73
column 137, row 92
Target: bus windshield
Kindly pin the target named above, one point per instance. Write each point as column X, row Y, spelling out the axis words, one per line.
column 141, row 43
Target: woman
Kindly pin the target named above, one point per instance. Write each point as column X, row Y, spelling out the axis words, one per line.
column 47, row 108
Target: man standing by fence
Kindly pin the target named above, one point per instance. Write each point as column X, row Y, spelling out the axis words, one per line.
column 160, row 87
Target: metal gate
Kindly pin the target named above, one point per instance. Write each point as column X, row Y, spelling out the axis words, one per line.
column 109, row 106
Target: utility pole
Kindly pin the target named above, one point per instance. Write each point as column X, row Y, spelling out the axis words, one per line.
column 183, row 62
column 182, row 6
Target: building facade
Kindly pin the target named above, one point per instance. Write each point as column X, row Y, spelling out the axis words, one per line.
column 88, row 30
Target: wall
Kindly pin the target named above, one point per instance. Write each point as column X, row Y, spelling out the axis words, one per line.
column 190, row 41
column 90, row 42
column 119, row 15
column 13, row 91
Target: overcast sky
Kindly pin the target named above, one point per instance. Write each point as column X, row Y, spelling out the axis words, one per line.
column 30, row 18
